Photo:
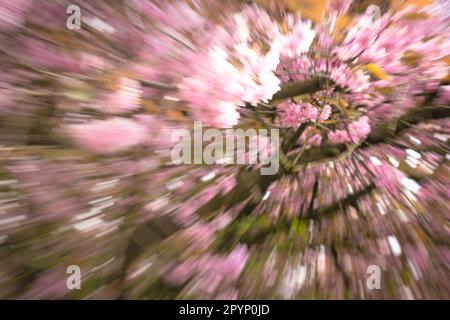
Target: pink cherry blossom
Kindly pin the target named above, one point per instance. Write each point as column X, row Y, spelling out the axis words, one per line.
column 12, row 14
column 108, row 136
column 125, row 99
column 294, row 114
column 355, row 132
column 299, row 39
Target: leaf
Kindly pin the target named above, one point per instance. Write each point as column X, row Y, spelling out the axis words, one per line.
column 78, row 95
column 415, row 16
column 397, row 5
column 175, row 115
column 386, row 91
column 78, row 91
column 341, row 23
column 411, row 58
column 149, row 106
column 376, row 71
column 342, row 103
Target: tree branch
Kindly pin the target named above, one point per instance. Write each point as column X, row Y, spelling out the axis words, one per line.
column 293, row 89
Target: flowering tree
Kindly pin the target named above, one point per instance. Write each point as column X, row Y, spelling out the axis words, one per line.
column 359, row 92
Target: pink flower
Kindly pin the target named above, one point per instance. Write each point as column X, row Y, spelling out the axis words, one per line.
column 340, row 6
column 12, row 13
column 235, row 66
column 231, row 294
column 355, row 132
column 233, row 265
column 315, row 139
column 325, row 113
column 299, row 38
column 293, row 114
column 218, row 86
column 177, row 15
column 387, row 177
column 182, row 272
column 91, row 62
column 229, row 267
column 158, row 130
column 201, row 234
column 108, row 136
column 125, row 99
column 444, row 94
column 359, row 129
column 338, row 136
column 49, row 56
column 211, row 271
column 50, row 284
column 356, row 81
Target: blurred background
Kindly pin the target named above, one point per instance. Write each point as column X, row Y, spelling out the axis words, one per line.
column 90, row 92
